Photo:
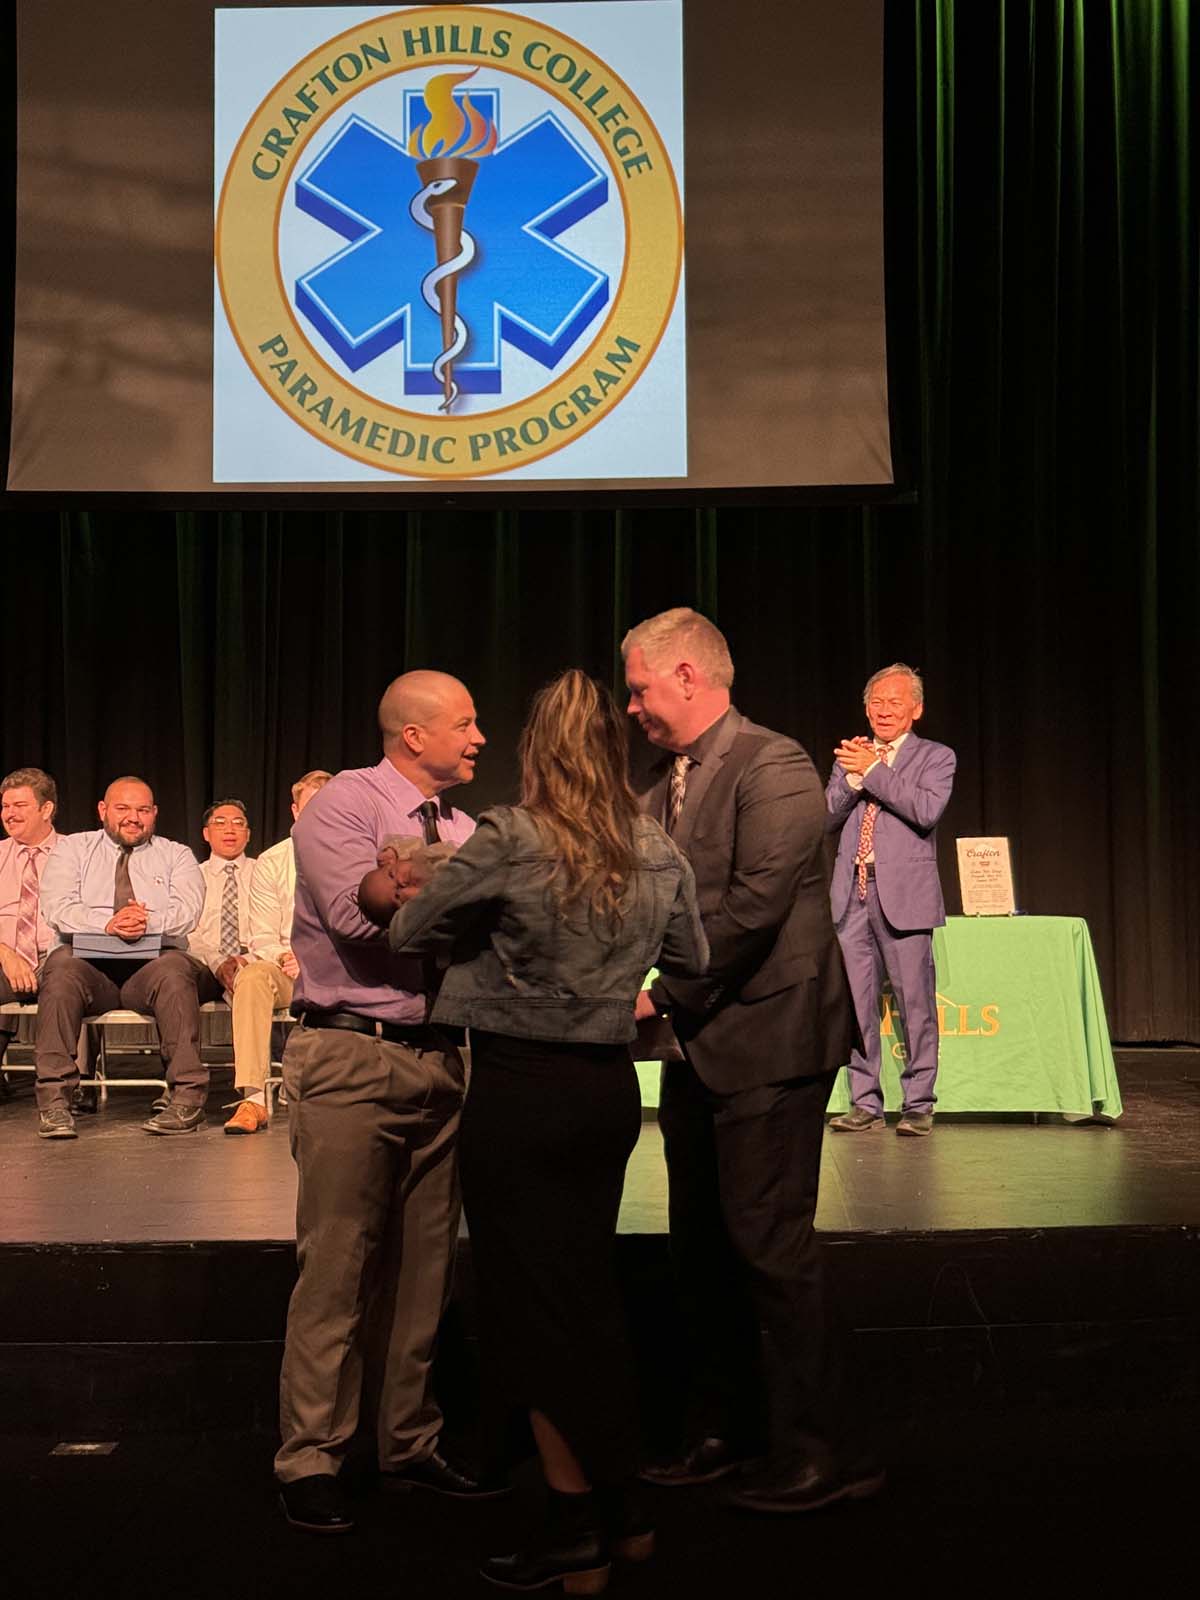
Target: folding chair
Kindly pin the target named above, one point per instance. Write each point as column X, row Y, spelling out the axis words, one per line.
column 94, row 1028
column 18, row 1009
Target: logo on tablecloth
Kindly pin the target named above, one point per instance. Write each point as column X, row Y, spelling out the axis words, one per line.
column 955, row 1021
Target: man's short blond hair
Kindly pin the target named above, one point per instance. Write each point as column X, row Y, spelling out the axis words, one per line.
column 317, row 779
column 682, row 634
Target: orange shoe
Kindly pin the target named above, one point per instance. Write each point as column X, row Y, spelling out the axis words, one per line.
column 248, row 1118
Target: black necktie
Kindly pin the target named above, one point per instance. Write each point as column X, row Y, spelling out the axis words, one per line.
column 428, row 813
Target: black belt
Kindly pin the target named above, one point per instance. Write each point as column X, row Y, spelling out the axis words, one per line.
column 870, row 869
column 421, row 1035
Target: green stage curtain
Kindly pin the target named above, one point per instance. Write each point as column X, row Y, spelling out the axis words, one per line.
column 1042, row 308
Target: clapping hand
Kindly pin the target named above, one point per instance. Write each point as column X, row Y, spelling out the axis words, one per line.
column 856, row 754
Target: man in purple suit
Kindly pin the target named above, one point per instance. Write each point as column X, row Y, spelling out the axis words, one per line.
column 885, row 796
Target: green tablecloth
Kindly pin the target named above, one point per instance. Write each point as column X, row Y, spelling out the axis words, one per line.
column 1021, row 1019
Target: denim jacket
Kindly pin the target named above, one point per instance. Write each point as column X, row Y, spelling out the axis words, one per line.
column 518, row 965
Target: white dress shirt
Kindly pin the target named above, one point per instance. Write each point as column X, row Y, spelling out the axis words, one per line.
column 78, row 886
column 204, row 943
column 272, row 901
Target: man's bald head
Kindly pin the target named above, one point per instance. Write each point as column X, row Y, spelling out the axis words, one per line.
column 412, row 700
column 427, row 721
column 128, row 811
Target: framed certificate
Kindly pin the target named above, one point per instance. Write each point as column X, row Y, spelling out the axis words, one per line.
column 985, row 877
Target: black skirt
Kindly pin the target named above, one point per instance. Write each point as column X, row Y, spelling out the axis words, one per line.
column 547, row 1130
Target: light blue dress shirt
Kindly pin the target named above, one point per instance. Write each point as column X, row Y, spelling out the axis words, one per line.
column 79, row 879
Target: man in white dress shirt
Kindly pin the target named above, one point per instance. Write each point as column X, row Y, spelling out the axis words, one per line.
column 124, row 882
column 220, row 940
column 264, row 984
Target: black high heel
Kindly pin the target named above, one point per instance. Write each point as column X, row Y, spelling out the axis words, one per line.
column 573, row 1551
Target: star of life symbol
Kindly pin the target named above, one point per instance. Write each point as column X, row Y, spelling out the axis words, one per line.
column 489, row 209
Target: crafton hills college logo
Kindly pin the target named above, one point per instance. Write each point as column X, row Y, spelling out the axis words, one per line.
column 389, row 251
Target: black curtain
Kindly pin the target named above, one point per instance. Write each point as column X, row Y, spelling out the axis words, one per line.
column 1043, row 270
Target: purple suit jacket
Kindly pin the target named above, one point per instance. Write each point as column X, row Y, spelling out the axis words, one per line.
column 912, row 794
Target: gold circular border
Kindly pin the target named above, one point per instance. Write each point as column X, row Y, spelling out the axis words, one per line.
column 652, row 240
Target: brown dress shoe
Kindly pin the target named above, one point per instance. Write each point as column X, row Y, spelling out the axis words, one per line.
column 915, row 1124
column 856, row 1120
column 248, row 1118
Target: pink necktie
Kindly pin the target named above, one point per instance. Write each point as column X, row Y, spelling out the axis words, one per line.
column 866, row 834
column 27, row 910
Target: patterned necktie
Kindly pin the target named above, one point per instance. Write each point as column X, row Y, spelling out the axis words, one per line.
column 428, row 813
column 26, row 943
column 866, row 834
column 679, row 776
column 230, row 943
column 122, row 883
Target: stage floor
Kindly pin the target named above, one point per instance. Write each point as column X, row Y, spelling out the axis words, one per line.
column 117, row 1184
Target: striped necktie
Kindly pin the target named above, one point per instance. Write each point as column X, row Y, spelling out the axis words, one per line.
column 26, row 939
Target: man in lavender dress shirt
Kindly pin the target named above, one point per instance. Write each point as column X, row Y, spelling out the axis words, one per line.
column 374, row 1097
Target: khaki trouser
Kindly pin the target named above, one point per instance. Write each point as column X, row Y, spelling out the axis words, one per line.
column 259, row 990
column 372, row 1128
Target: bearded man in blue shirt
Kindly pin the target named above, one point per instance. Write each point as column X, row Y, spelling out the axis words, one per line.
column 127, row 885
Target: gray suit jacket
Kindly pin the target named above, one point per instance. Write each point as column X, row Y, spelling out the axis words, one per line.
column 912, row 794
column 774, row 1003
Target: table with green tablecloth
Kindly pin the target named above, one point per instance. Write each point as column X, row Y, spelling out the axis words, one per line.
column 1021, row 1020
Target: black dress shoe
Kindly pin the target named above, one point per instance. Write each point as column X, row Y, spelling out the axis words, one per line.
column 439, row 1476
column 316, row 1504
column 177, row 1118
column 712, row 1458
column 807, row 1486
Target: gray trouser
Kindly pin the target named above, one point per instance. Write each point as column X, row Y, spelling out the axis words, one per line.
column 372, row 1127
column 70, row 989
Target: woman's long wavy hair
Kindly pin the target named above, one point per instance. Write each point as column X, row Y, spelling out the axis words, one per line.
column 575, row 783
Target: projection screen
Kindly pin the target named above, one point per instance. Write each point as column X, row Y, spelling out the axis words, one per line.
column 593, row 245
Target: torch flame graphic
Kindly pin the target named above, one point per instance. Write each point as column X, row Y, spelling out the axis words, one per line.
column 448, row 148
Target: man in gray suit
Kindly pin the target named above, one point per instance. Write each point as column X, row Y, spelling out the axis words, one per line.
column 742, row 1114
column 885, row 795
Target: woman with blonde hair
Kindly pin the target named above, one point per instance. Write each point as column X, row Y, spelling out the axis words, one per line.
column 552, row 914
